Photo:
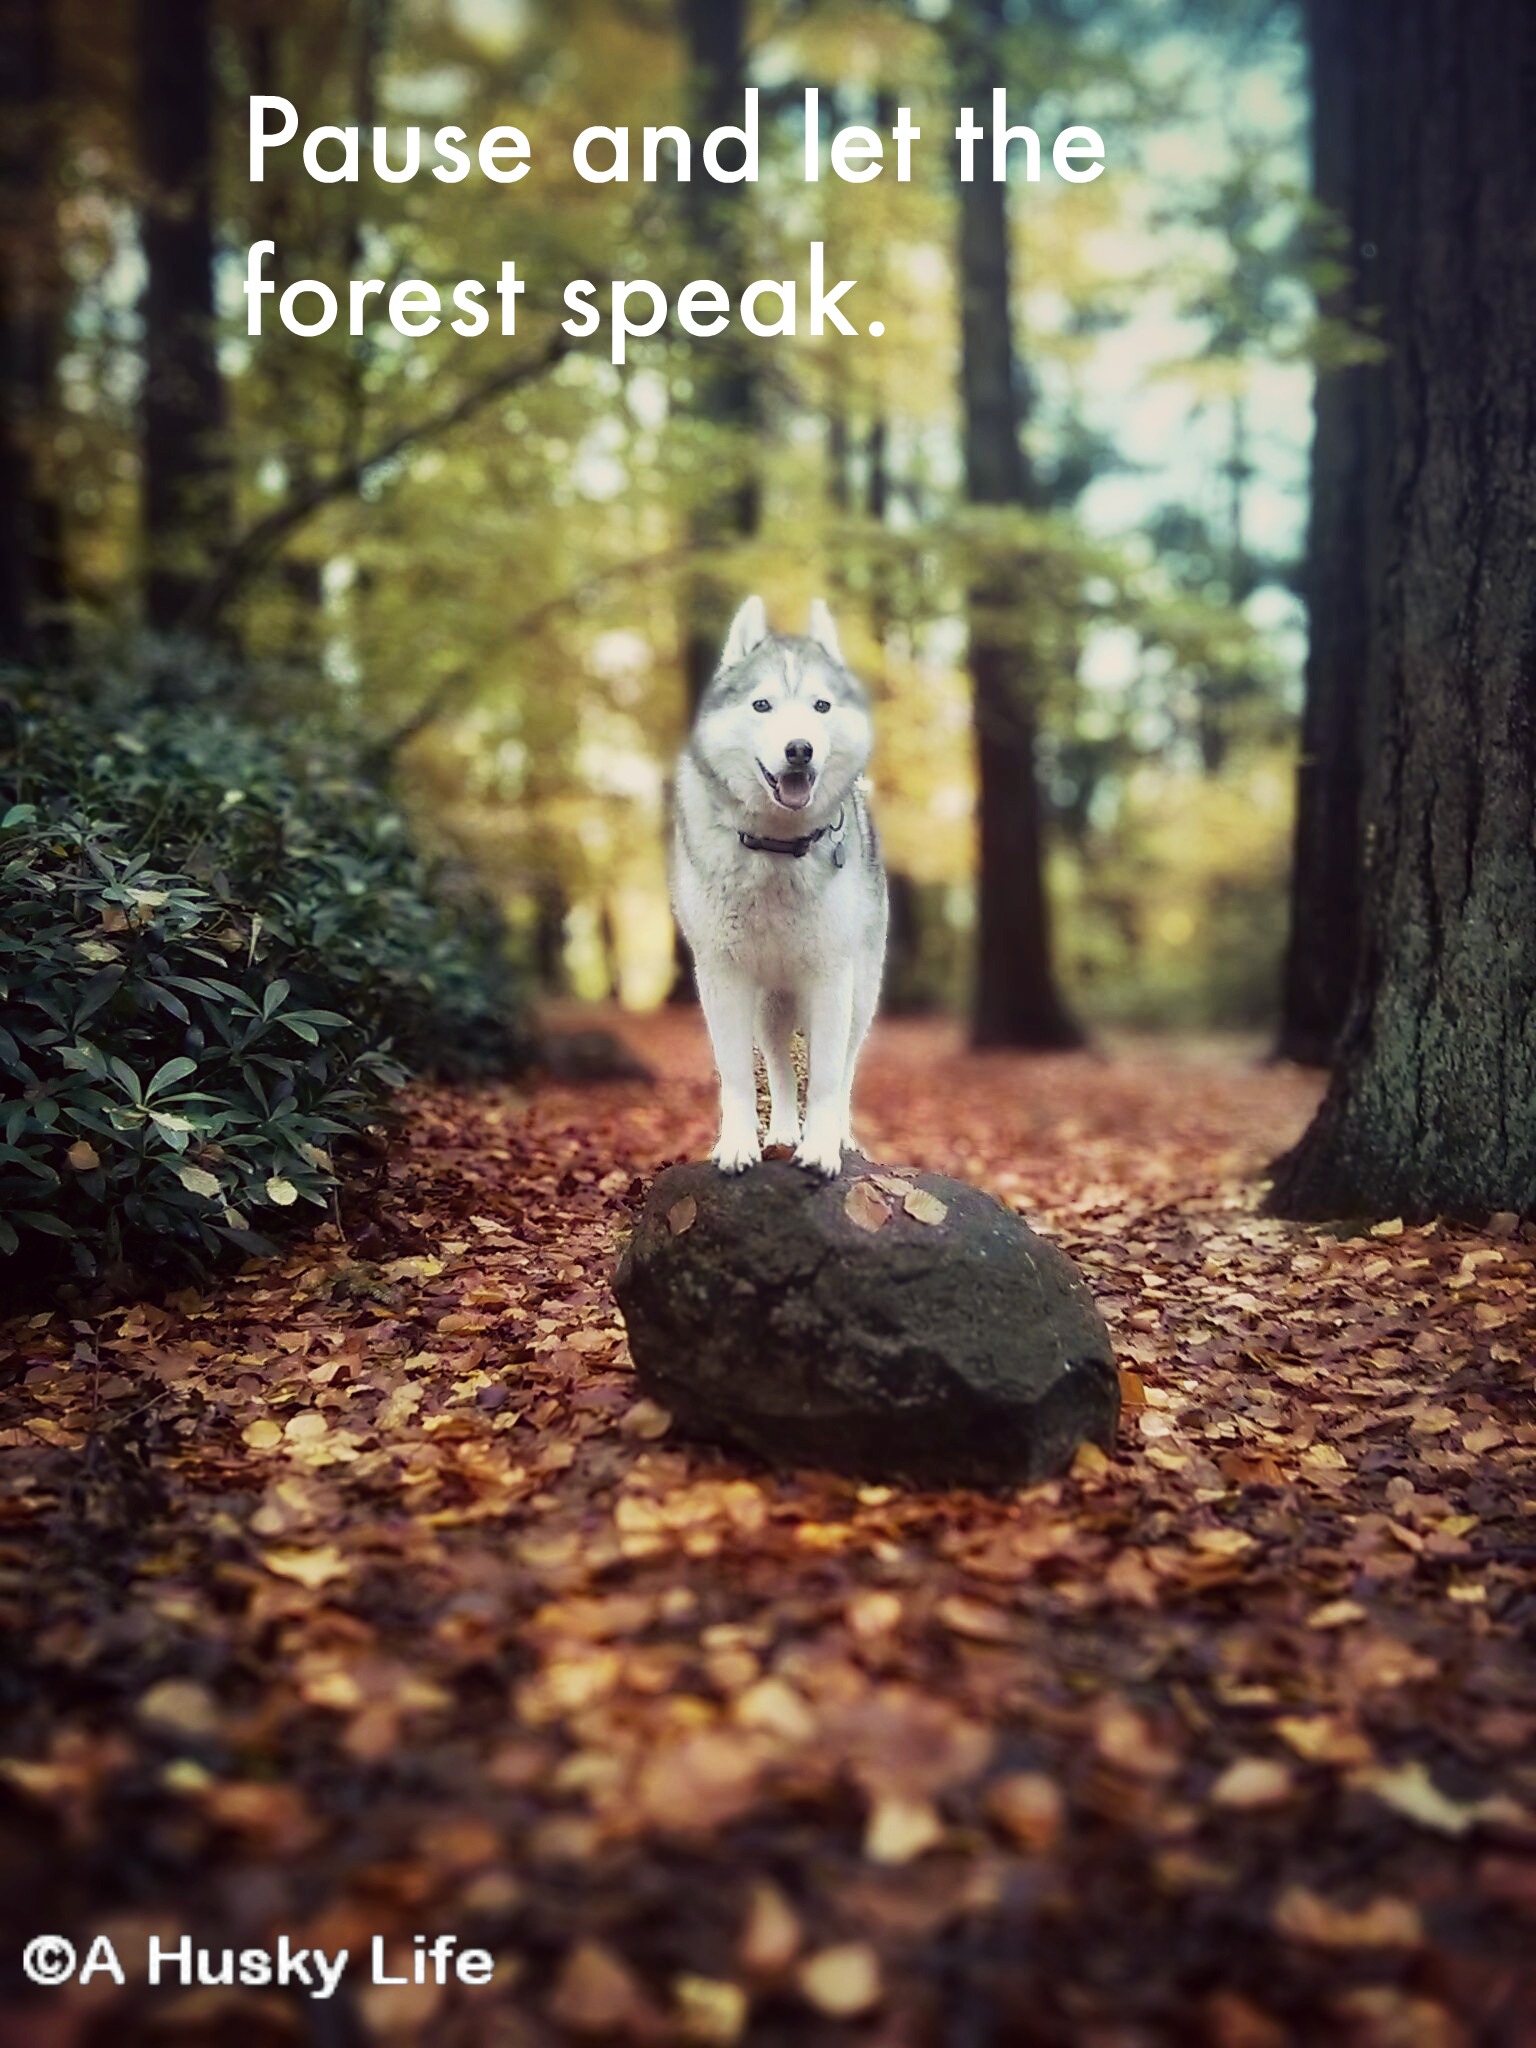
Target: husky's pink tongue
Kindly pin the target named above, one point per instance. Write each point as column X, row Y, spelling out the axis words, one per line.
column 794, row 790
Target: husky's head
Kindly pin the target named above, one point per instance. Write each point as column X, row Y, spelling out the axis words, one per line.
column 783, row 725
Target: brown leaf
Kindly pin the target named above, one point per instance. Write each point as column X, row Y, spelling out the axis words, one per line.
column 597, row 1993
column 924, row 1207
column 866, row 1207
column 82, row 1156
column 1029, row 1809
column 682, row 1215
column 1302, row 1915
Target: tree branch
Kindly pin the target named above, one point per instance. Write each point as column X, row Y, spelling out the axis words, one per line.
column 260, row 542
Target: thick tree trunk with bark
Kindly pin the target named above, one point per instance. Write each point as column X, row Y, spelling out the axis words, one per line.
column 725, row 393
column 1433, row 1104
column 32, row 582
column 187, row 505
column 1014, row 1001
column 725, row 398
column 1343, row 561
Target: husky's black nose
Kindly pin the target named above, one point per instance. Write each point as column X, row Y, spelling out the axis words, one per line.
column 798, row 753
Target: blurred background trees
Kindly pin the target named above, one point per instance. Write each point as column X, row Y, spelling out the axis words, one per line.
column 1059, row 505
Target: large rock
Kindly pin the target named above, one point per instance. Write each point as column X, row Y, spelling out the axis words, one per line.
column 764, row 1310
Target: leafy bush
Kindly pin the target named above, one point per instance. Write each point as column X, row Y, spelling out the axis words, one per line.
column 218, row 954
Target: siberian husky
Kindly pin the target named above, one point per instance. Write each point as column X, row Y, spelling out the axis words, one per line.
column 777, row 882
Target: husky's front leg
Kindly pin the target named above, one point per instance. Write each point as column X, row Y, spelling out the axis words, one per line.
column 730, row 1005
column 829, row 1011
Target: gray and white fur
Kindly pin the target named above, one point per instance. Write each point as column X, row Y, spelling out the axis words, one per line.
column 778, row 884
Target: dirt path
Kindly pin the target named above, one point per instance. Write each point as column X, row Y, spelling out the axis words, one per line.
column 357, row 1597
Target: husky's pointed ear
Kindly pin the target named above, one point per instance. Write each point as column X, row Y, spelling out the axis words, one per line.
column 749, row 626
column 822, row 630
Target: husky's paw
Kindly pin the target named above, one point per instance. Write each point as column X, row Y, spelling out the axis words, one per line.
column 821, row 1151
column 736, row 1151
column 787, row 1135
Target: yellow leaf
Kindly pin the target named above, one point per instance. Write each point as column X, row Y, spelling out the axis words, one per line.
column 282, row 1192
column 198, row 1180
column 310, row 1568
column 180, row 1706
column 901, row 1829
column 262, row 1435
column 1252, row 1783
column 841, row 1982
column 770, row 1941
column 710, row 2009
column 82, row 1157
column 923, row 1207
column 305, row 1427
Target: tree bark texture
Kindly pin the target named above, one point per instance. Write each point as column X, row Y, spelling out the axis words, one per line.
column 1343, row 554
column 187, row 503
column 1014, row 998
column 32, row 578
column 1432, row 1108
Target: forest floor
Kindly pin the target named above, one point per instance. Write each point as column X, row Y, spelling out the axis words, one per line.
column 357, row 1596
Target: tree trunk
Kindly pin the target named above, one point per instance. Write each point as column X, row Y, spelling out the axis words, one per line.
column 725, row 394
column 725, row 400
column 1342, row 558
column 1014, row 1001
column 1430, row 1109
column 187, row 504
column 32, row 583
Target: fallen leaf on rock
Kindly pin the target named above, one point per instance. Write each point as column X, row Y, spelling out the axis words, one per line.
column 866, row 1207
column 682, row 1215
column 647, row 1420
column 841, row 1982
column 924, row 1207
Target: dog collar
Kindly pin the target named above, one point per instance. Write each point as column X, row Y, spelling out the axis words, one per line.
column 797, row 849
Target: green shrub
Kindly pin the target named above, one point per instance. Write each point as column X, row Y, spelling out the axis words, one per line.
column 218, row 954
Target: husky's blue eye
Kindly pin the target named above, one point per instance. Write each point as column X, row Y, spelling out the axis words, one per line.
column 761, row 704
column 821, row 704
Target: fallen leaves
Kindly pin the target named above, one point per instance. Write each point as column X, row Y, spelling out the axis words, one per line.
column 1381, row 1923
column 842, row 1982
column 865, row 1207
column 311, row 1569
column 365, row 1584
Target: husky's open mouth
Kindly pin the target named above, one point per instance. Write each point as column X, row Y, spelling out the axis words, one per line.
column 793, row 788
